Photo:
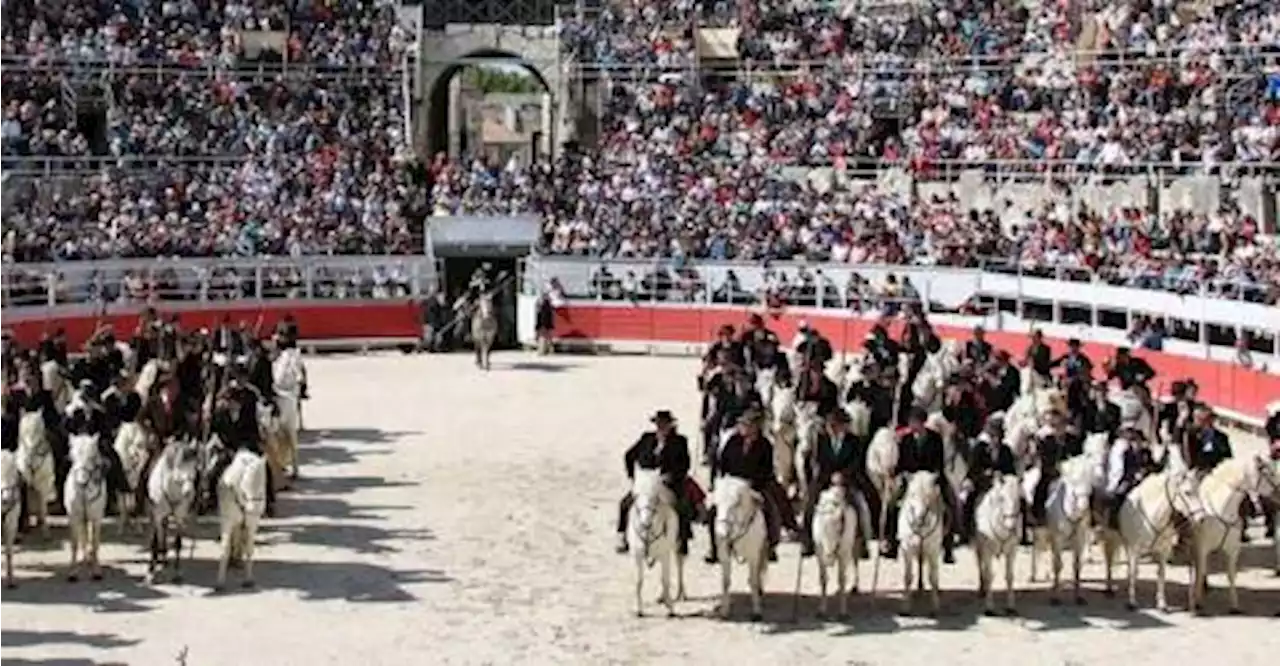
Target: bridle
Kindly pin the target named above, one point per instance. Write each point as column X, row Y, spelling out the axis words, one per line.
column 1009, row 513
column 924, row 518
column 736, row 530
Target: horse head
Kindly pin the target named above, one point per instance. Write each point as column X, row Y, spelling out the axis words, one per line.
column 922, row 502
column 83, row 451
column 736, row 505
column 1183, row 494
column 651, row 496
column 181, row 466
column 10, row 482
column 1077, row 483
column 1005, row 496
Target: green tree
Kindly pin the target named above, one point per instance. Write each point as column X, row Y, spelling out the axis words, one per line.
column 491, row 80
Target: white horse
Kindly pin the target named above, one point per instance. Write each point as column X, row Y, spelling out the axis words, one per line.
column 1025, row 417
column 1147, row 527
column 859, row 418
column 35, row 465
column 242, row 497
column 85, row 499
column 131, row 447
column 655, row 528
column 146, row 378
column 484, row 329
column 835, row 535
column 1067, row 520
column 171, row 491
column 740, row 534
column 782, row 431
column 808, row 428
column 955, row 461
column 53, row 381
column 997, row 523
column 1134, row 409
column 882, row 464
column 921, row 525
column 286, row 379
column 10, row 489
column 1218, row 525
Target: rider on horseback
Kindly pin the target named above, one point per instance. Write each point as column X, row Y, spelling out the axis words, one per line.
column 1130, row 370
column 837, row 451
column 921, row 449
column 989, row 458
column 1053, row 445
column 748, row 455
column 1129, row 461
column 235, row 422
column 1077, row 369
column 665, row 450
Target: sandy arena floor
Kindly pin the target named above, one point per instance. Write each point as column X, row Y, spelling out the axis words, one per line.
column 447, row 516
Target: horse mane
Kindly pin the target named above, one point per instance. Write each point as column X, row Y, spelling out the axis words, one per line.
column 1230, row 473
column 82, row 449
column 920, row 482
column 727, row 488
column 1076, row 471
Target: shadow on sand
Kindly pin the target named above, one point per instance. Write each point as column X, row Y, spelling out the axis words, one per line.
column 60, row 662
column 324, row 581
column 17, row 638
column 961, row 610
column 541, row 366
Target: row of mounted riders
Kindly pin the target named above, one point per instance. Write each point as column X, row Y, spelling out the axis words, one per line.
column 878, row 391
column 175, row 385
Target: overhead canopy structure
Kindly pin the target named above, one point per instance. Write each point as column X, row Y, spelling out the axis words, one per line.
column 481, row 235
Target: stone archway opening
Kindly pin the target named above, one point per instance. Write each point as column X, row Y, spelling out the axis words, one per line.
column 490, row 102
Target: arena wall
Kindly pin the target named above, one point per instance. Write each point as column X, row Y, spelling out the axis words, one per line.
column 1241, row 394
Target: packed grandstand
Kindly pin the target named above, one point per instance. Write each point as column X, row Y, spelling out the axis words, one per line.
column 204, row 154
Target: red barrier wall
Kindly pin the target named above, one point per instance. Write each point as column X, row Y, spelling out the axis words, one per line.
column 364, row 320
column 1221, row 384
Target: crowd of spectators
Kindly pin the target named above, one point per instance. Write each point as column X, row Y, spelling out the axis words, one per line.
column 313, row 160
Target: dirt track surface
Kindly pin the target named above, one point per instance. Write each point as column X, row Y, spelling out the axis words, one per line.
column 448, row 516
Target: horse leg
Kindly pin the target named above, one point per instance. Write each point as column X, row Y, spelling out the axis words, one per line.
column 756, row 578
column 1162, row 567
column 95, row 541
column 1035, row 555
column 76, row 537
column 681, row 595
column 1011, row 605
column 123, row 509
column 1108, row 561
column 1231, row 557
column 726, row 575
column 1199, row 579
column 907, row 593
column 1055, row 550
column 1133, row 579
column 177, row 554
column 154, row 559
column 935, row 570
column 247, row 534
column 666, row 585
column 8, row 562
column 842, row 577
column 822, row 586
column 225, row 561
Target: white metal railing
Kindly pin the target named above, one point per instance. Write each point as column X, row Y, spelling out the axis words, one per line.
column 1051, row 299
column 32, row 288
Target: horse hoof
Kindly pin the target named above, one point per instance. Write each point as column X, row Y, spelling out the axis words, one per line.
column 1110, row 594
column 1011, row 612
column 1081, row 601
column 990, row 612
column 757, row 617
column 1054, row 601
column 671, row 612
column 96, row 577
column 247, row 584
column 71, row 578
column 11, row 586
column 1131, row 607
column 639, row 613
column 1235, row 611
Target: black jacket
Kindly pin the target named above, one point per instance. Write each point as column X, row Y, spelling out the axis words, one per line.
column 850, row 460
column 826, row 393
column 978, row 350
column 1208, row 447
column 988, row 459
column 1040, row 358
column 1077, row 367
column 754, row 465
column 1100, row 418
column 1005, row 390
column 673, row 462
column 1132, row 372
column 921, row 453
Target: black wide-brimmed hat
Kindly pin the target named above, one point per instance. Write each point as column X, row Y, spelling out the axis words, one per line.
column 662, row 416
column 751, row 416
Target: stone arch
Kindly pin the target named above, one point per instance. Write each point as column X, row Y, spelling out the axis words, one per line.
column 438, row 103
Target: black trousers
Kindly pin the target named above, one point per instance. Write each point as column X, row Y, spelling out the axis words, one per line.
column 1048, row 474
